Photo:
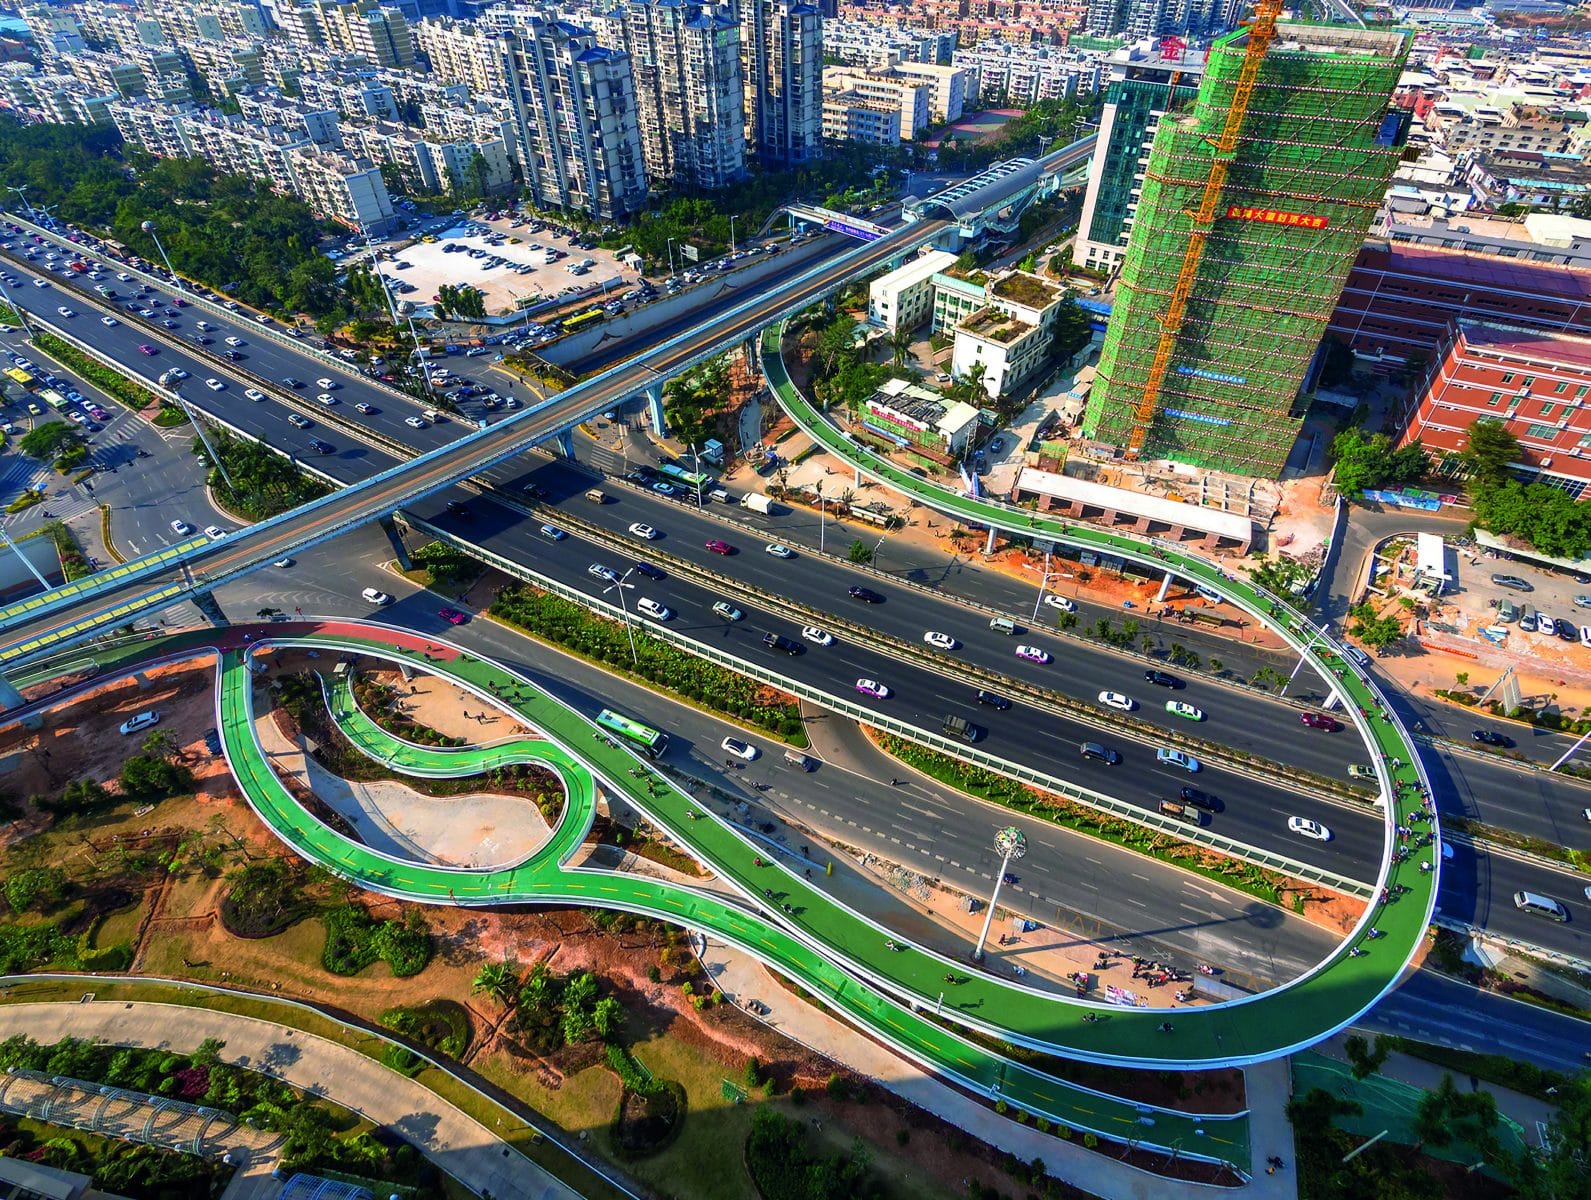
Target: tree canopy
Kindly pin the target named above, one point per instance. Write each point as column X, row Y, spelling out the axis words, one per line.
column 1492, row 448
column 1546, row 517
column 1368, row 463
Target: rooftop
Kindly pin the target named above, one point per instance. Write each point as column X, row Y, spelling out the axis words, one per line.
column 1538, row 345
column 1430, row 262
column 1020, row 287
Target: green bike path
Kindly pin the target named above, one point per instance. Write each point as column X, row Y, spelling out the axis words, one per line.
column 1363, row 969
column 543, row 878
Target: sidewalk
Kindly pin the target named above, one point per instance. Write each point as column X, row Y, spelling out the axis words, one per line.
column 455, row 1142
column 741, row 978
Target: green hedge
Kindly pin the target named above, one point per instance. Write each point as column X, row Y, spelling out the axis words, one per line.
column 355, row 939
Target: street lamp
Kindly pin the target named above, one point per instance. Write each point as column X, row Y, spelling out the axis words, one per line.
column 823, row 522
column 22, row 192
column 1043, row 582
column 149, row 228
column 1009, row 843
column 873, row 557
column 732, row 235
column 620, row 585
column 671, row 256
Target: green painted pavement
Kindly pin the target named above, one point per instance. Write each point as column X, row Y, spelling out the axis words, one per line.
column 1362, row 970
column 544, row 879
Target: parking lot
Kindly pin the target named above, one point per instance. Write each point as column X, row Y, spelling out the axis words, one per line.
column 511, row 260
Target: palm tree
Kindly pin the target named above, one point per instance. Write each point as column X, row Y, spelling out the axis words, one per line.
column 500, row 980
column 900, row 346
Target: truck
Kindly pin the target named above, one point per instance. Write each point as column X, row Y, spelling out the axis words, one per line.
column 962, row 728
column 757, row 502
column 1182, row 812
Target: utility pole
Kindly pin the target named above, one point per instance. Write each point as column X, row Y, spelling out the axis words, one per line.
column 149, row 228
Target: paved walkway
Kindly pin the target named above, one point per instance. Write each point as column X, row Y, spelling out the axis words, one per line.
column 742, row 978
column 454, row 1141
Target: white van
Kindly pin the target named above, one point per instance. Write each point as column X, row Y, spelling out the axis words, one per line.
column 1544, row 906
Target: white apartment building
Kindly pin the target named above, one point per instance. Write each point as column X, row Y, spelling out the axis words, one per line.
column 689, row 94
column 1025, row 74
column 875, row 47
column 461, row 52
column 428, row 165
column 57, row 99
column 904, row 298
column 343, row 189
column 228, row 66
column 321, row 125
column 782, row 61
column 854, row 100
column 55, row 31
column 379, row 35
column 950, row 92
column 359, row 95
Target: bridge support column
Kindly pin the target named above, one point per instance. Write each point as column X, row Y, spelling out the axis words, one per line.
column 654, row 408
column 566, row 444
column 210, row 608
column 1165, row 587
column 988, row 547
column 9, row 696
column 395, row 540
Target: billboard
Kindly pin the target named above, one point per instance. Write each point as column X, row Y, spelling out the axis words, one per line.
column 689, row 252
column 1275, row 216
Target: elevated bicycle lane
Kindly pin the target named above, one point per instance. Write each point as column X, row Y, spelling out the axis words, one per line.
column 544, row 879
column 1363, row 969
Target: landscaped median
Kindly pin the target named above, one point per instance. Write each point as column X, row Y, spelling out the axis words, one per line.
column 113, row 383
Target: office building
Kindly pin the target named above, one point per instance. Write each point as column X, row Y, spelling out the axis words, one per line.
column 904, row 298
column 782, row 62
column 1215, row 325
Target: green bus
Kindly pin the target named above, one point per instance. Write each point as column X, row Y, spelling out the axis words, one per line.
column 694, row 480
column 652, row 742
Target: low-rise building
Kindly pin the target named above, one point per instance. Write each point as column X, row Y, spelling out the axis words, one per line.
column 904, row 298
column 848, row 91
column 1005, row 340
column 910, row 413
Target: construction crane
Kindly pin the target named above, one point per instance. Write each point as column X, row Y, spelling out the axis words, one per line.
column 1225, row 147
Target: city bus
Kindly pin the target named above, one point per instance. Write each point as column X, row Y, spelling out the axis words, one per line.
column 694, row 480
column 53, row 398
column 580, row 320
column 651, row 741
column 20, row 377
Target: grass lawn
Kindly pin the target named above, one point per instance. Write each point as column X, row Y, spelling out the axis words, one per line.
column 119, row 926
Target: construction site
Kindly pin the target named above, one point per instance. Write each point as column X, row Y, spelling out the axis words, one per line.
column 1255, row 202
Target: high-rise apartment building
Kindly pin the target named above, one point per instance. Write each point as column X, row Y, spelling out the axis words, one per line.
column 1215, row 326
column 688, row 92
column 378, row 33
column 782, row 58
column 1160, row 18
column 1145, row 81
column 462, row 52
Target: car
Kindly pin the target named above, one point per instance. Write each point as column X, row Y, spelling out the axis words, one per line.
column 1320, row 721
column 181, row 528
column 142, row 721
column 146, row 349
column 65, row 312
column 203, row 340
column 298, row 422
column 295, row 384
column 1033, row 654
column 662, row 488
column 77, row 418
column 718, row 546
column 866, row 595
column 1193, row 796
column 1527, row 622
column 1582, row 601
column 599, row 571
column 645, row 532
column 728, row 611
column 326, row 384
column 1304, row 827
column 283, row 562
column 214, row 532
column 648, row 607
column 1163, row 679
column 215, row 385
column 1181, row 708
column 552, row 533
column 41, row 283
column 1488, row 737
column 1513, row 582
column 1064, row 603
column 452, row 616
column 367, row 409
column 414, row 422
column 178, row 373
column 993, row 699
column 818, row 637
column 375, row 596
column 873, row 688
column 651, row 572
column 1117, row 700
column 254, row 393
column 234, row 342
column 109, row 321
column 779, row 551
column 940, row 641
column 1177, row 758
column 740, row 749
column 1567, row 631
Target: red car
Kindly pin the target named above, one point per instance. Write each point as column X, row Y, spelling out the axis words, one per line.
column 452, row 616
column 1319, row 721
column 718, row 547
column 147, row 349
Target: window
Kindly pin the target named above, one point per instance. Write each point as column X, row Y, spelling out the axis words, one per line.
column 1546, row 408
column 1497, row 398
column 1579, row 392
column 1508, row 377
column 1528, row 382
column 1559, row 389
column 1544, row 432
column 1585, row 441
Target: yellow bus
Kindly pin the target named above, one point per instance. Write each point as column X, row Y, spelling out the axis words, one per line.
column 20, row 377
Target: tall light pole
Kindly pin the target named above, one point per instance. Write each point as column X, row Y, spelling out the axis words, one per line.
column 620, row 585
column 671, row 256
column 1009, row 843
column 731, row 235
column 149, row 228
column 823, row 522
column 22, row 192
column 1043, row 581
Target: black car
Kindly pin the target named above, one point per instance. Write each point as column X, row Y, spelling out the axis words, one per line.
column 776, row 641
column 994, row 700
column 320, row 446
column 1487, row 738
column 1161, row 679
column 293, row 383
column 203, row 339
column 866, row 595
column 649, row 570
column 1567, row 631
column 458, row 508
column 1199, row 799
column 234, row 356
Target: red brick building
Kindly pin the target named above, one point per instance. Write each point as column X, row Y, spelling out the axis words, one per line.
column 1536, row 380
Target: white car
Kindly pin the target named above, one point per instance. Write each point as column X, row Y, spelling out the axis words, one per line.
column 109, row 321
column 1177, row 758
column 181, row 528
column 817, row 636
column 215, row 385
column 414, row 422
column 873, row 688
column 41, row 283
column 234, row 342
column 66, row 312
column 254, row 393
column 327, row 399
column 282, row 562
column 326, row 384
column 1117, row 700
column 1304, row 827
column 215, row 532
column 648, row 607
column 779, row 551
column 940, row 641
column 1033, row 654
column 1064, row 603
column 376, row 596
column 598, row 571
column 739, row 749
column 645, row 532
column 142, row 721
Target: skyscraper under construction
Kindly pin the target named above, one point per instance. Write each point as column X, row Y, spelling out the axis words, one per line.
column 1255, row 202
